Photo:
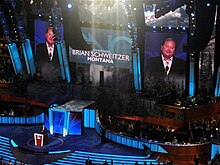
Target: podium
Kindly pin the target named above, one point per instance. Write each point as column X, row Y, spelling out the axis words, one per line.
column 39, row 139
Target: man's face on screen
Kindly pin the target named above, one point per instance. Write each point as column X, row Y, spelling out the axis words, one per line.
column 50, row 37
column 168, row 49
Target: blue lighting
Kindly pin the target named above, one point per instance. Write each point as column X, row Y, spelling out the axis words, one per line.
column 13, row 143
column 59, row 152
column 69, row 6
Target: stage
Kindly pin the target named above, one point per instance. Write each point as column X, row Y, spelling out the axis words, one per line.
column 90, row 141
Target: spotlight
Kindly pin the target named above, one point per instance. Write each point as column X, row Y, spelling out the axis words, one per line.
column 148, row 9
column 208, row 4
column 69, row 5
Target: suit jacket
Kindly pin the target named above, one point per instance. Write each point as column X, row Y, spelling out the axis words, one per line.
column 155, row 67
column 49, row 70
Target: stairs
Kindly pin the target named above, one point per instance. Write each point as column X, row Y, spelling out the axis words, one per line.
column 80, row 157
column 5, row 150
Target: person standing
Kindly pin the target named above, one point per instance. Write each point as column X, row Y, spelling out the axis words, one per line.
column 166, row 64
column 47, row 60
column 196, row 159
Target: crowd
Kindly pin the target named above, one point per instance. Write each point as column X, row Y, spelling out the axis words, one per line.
column 204, row 129
column 196, row 131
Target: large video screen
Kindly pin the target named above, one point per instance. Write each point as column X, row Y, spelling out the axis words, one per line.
column 108, row 62
column 164, row 63
column 45, row 55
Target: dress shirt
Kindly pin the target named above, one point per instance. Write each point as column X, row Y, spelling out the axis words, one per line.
column 50, row 50
column 167, row 64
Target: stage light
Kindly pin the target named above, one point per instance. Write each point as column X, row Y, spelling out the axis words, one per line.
column 154, row 27
column 39, row 15
column 148, row 9
column 184, row 28
column 169, row 27
column 69, row 6
column 208, row 4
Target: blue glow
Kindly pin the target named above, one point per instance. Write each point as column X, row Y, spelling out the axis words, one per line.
column 31, row 120
column 59, row 50
column 13, row 143
column 64, row 65
column 89, row 118
column 191, row 80
column 75, row 123
column 4, row 120
column 135, row 144
column 92, row 118
column 16, row 61
column 184, row 28
column 129, row 142
column 124, row 141
column 214, row 149
column 5, row 138
column 119, row 139
column 217, row 85
column 59, row 152
column 64, row 122
column 137, row 70
column 28, row 56
column 58, row 121
column 86, row 117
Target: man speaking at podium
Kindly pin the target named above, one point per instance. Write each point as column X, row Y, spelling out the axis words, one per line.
column 44, row 131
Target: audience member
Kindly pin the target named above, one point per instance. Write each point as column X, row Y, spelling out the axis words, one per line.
column 196, row 159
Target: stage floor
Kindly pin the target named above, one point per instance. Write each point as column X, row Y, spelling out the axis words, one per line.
column 88, row 141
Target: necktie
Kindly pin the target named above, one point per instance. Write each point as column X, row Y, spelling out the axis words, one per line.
column 167, row 68
column 50, row 54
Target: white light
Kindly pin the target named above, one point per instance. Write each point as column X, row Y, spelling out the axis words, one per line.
column 69, row 6
column 169, row 27
column 39, row 15
column 184, row 28
column 154, row 27
column 135, row 9
column 208, row 4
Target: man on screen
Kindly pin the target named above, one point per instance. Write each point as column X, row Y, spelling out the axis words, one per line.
column 47, row 61
column 166, row 64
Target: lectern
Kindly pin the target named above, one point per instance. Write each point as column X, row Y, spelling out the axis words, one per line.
column 39, row 139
